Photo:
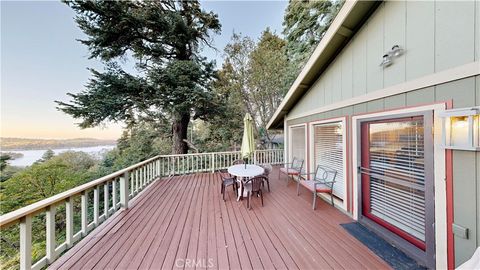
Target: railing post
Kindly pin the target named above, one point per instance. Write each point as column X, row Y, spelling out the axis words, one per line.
column 213, row 162
column 124, row 190
column 26, row 242
column 69, row 222
column 50, row 228
column 114, row 195
column 96, row 202
column 255, row 157
column 106, row 200
column 84, row 207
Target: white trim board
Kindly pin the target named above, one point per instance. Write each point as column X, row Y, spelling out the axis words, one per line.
column 290, row 150
column 336, row 25
column 439, row 174
column 449, row 75
column 339, row 203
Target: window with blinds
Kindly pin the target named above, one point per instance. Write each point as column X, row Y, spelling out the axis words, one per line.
column 298, row 142
column 397, row 174
column 328, row 151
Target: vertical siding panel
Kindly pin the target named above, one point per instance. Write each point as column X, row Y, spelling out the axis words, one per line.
column 454, row 33
column 375, row 105
column 477, row 31
column 421, row 96
column 375, row 50
column 395, row 12
column 327, row 78
column 462, row 92
column 347, row 74
column 336, row 81
column 420, row 39
column 396, row 101
column 359, row 62
column 464, row 203
column 360, row 108
column 477, row 89
column 347, row 110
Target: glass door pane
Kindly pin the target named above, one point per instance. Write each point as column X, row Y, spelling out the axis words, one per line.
column 393, row 176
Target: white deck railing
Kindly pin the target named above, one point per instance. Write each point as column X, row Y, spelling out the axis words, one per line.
column 117, row 188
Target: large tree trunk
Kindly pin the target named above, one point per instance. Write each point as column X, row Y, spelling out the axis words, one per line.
column 179, row 132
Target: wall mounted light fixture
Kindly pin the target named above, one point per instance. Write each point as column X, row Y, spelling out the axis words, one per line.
column 387, row 60
column 461, row 129
column 395, row 52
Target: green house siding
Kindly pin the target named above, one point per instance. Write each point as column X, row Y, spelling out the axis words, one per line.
column 466, row 165
column 436, row 36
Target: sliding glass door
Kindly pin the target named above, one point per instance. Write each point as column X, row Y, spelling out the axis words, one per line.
column 397, row 176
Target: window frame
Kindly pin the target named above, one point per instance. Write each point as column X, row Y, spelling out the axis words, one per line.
column 343, row 120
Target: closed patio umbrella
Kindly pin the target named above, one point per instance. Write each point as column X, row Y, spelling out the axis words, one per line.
column 248, row 141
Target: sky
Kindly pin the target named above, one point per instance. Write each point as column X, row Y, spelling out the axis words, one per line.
column 41, row 61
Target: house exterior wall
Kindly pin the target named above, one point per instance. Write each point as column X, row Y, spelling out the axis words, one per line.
column 437, row 36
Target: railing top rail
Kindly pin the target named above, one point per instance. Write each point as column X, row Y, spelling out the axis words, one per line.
column 209, row 153
column 38, row 206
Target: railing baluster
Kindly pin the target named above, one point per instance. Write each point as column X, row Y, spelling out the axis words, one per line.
column 149, row 173
column 26, row 242
column 50, row 228
column 136, row 181
column 106, row 200
column 69, row 222
column 96, row 207
column 84, row 207
column 114, row 195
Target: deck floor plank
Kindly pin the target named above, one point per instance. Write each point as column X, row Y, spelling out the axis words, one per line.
column 183, row 223
column 158, row 229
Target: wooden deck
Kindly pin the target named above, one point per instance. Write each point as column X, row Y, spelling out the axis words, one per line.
column 182, row 222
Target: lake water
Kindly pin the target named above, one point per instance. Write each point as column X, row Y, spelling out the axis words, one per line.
column 30, row 156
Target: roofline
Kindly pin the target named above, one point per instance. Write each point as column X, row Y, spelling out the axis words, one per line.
column 348, row 20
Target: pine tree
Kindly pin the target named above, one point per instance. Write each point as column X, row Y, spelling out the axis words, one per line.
column 163, row 38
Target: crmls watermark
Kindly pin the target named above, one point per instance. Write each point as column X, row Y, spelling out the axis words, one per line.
column 192, row 263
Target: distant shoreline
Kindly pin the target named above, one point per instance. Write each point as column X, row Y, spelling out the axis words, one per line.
column 22, row 144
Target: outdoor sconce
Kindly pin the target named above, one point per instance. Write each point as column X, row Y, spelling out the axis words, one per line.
column 396, row 51
column 387, row 61
column 461, row 128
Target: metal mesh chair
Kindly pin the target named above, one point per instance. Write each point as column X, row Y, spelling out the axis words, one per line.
column 227, row 180
column 253, row 186
column 268, row 169
column 238, row 161
column 322, row 181
column 295, row 169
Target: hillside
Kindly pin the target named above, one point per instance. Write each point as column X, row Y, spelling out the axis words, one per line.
column 43, row 144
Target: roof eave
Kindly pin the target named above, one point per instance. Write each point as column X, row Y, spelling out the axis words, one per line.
column 348, row 20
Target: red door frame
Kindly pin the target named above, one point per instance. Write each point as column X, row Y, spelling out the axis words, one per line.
column 365, row 163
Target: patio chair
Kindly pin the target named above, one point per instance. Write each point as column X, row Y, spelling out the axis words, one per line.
column 227, row 180
column 292, row 169
column 268, row 169
column 253, row 186
column 322, row 182
column 238, row 161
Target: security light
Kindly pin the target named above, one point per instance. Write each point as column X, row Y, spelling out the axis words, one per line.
column 461, row 129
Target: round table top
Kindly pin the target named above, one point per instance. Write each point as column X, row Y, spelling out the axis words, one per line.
column 241, row 170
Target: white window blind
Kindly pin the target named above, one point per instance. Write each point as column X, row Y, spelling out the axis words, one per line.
column 298, row 142
column 397, row 175
column 328, row 151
